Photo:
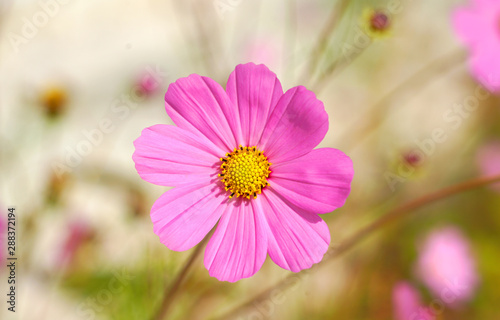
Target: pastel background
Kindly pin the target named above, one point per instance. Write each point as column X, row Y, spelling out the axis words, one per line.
column 79, row 80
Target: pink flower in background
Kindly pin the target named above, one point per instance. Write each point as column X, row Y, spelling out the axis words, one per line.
column 478, row 26
column 243, row 157
column 488, row 158
column 148, row 84
column 78, row 232
column 447, row 267
column 407, row 305
column 265, row 51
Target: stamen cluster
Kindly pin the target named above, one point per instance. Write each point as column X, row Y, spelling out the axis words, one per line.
column 244, row 172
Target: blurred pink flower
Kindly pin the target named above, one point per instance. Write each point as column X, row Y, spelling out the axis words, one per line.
column 406, row 303
column 379, row 21
column 243, row 157
column 78, row 233
column 488, row 158
column 54, row 100
column 413, row 158
column 377, row 24
column 265, row 51
column 478, row 26
column 447, row 267
column 148, row 84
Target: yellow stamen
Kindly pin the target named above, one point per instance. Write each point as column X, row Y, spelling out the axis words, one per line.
column 244, row 172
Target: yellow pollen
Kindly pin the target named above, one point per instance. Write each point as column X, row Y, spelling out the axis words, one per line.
column 244, row 172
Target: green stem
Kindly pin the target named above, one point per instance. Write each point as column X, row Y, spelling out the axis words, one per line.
column 172, row 291
column 333, row 20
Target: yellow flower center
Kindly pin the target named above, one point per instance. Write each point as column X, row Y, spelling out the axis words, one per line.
column 244, row 172
column 53, row 101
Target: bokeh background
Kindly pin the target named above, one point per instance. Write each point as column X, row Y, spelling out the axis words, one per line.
column 79, row 80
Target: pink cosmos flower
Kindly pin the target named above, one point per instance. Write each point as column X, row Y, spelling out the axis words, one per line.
column 478, row 26
column 488, row 158
column 447, row 267
column 243, row 157
column 407, row 305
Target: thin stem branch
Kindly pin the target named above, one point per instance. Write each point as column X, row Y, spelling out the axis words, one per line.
column 357, row 237
column 376, row 115
column 206, row 42
column 334, row 68
column 171, row 291
column 290, row 39
column 333, row 20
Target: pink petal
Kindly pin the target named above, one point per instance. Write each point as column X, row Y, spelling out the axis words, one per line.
column 485, row 65
column 406, row 301
column 238, row 247
column 469, row 25
column 255, row 91
column 297, row 125
column 200, row 104
column 478, row 23
column 296, row 239
column 171, row 156
column 486, row 2
column 318, row 182
column 478, row 27
column 183, row 216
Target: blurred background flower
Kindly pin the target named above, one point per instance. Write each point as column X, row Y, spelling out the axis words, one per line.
column 477, row 25
column 488, row 158
column 376, row 23
column 407, row 304
column 447, row 267
column 79, row 233
column 53, row 101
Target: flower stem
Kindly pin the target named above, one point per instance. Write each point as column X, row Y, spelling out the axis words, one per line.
column 172, row 290
column 333, row 20
column 378, row 113
column 334, row 68
column 357, row 237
